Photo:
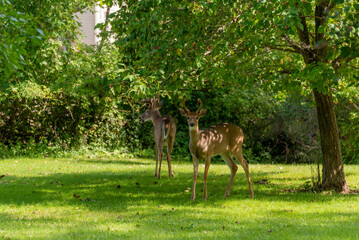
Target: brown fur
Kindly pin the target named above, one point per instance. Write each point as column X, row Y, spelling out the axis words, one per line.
column 224, row 139
column 164, row 132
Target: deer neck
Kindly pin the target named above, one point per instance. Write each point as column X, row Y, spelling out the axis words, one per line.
column 156, row 116
column 194, row 134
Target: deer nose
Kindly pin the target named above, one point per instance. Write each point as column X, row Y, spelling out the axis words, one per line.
column 191, row 124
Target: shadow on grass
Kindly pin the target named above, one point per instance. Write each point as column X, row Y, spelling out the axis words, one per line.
column 119, row 161
column 137, row 199
column 142, row 221
column 124, row 188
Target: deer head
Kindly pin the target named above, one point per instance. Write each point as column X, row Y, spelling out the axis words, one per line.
column 153, row 105
column 193, row 118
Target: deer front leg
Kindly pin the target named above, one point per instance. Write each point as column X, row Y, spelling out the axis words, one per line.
column 195, row 174
column 208, row 162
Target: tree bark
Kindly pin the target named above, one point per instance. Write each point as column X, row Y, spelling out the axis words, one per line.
column 333, row 171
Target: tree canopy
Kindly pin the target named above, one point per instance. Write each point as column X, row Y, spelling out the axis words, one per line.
column 199, row 44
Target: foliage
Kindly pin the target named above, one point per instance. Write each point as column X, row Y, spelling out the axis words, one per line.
column 236, row 56
column 16, row 29
column 68, row 104
column 69, row 94
column 288, row 130
column 350, row 134
column 348, row 118
column 118, row 198
column 190, row 45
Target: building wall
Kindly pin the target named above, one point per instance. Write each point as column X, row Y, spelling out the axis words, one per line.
column 88, row 21
column 87, row 29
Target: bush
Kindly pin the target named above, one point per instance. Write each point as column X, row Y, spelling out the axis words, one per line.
column 348, row 119
column 278, row 128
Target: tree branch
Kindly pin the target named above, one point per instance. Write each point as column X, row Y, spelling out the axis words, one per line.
column 297, row 46
column 356, row 108
column 355, row 67
column 230, row 22
column 282, row 49
column 322, row 10
column 337, row 63
column 108, row 9
column 303, row 34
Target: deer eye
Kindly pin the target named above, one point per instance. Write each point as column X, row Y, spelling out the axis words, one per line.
column 187, row 118
column 196, row 118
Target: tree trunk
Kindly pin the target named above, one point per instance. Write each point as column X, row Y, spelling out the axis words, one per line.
column 333, row 171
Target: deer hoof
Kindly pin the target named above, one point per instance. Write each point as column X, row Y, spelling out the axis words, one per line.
column 193, row 197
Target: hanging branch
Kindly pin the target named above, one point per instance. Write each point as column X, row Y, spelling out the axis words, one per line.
column 293, row 50
column 356, row 108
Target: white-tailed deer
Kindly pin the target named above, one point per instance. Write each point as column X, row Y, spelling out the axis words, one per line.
column 164, row 131
column 223, row 139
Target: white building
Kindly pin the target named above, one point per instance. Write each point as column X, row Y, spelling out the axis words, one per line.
column 88, row 21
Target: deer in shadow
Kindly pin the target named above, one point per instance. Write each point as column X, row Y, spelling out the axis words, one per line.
column 164, row 131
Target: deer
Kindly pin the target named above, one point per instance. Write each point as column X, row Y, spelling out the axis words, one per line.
column 164, row 131
column 223, row 139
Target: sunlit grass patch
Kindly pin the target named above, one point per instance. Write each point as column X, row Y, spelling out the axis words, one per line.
column 121, row 199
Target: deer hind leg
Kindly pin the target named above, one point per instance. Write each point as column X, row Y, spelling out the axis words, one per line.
column 233, row 167
column 159, row 158
column 169, row 150
column 157, row 153
column 238, row 155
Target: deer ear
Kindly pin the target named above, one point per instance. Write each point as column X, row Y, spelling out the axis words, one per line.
column 202, row 112
column 183, row 112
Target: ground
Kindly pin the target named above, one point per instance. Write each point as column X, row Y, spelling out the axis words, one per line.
column 99, row 198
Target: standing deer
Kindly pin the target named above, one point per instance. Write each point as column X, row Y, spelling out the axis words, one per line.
column 164, row 131
column 220, row 139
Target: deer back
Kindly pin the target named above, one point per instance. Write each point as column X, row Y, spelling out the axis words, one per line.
column 216, row 139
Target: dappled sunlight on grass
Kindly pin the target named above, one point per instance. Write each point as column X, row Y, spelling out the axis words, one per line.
column 112, row 199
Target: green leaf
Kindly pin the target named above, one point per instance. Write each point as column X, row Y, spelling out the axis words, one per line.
column 130, row 77
column 345, row 52
column 13, row 18
column 307, row 8
column 40, row 31
column 300, row 26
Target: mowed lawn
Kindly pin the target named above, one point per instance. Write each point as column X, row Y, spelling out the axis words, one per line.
column 121, row 199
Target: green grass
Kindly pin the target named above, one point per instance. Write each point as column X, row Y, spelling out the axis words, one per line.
column 122, row 200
